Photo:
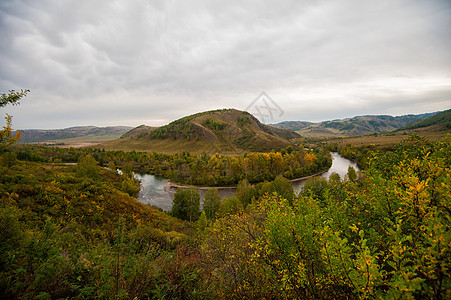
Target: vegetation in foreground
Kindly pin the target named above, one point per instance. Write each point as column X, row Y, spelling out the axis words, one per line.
column 385, row 235
column 66, row 234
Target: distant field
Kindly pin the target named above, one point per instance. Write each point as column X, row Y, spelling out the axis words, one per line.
column 78, row 142
column 80, row 136
column 162, row 146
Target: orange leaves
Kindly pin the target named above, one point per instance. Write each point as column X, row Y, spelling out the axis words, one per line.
column 309, row 158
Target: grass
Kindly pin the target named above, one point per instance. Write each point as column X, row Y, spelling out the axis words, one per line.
column 174, row 146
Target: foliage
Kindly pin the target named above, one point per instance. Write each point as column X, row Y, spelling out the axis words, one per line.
column 7, row 137
column 12, row 97
column 177, row 127
column 246, row 192
column 203, row 221
column 385, row 235
column 70, row 232
column 87, row 166
column 203, row 170
column 214, row 124
column 443, row 117
column 211, row 203
column 243, row 120
column 186, row 204
column 230, row 206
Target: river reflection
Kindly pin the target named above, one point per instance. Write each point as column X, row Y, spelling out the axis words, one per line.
column 340, row 166
column 156, row 192
column 153, row 192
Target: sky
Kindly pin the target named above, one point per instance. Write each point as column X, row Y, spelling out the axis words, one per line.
column 133, row 62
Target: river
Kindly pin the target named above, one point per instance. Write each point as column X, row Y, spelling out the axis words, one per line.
column 156, row 192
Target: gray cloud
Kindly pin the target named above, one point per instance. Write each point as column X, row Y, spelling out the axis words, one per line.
column 122, row 62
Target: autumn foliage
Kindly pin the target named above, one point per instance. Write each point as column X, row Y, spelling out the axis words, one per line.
column 386, row 235
column 76, row 231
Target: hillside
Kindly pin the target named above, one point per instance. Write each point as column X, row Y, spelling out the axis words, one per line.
column 73, row 134
column 361, row 125
column 223, row 131
column 433, row 129
column 292, row 125
column 442, row 118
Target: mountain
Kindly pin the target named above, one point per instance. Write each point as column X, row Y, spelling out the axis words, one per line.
column 73, row 134
column 292, row 125
column 361, row 125
column 218, row 131
column 441, row 118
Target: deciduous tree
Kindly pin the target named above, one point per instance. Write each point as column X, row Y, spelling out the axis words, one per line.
column 6, row 134
column 211, row 203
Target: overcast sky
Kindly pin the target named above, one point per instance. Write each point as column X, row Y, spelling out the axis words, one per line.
column 150, row 62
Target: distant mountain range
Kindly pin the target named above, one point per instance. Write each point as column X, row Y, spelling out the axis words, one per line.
column 232, row 131
column 72, row 134
column 223, row 131
column 356, row 126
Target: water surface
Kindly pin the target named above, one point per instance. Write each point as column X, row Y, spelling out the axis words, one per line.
column 156, row 192
column 340, row 165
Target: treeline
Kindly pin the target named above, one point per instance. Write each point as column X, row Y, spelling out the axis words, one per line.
column 202, row 170
column 186, row 203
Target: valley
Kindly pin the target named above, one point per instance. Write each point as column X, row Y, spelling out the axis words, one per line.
column 68, row 217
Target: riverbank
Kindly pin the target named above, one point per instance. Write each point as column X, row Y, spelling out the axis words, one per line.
column 310, row 176
column 173, row 185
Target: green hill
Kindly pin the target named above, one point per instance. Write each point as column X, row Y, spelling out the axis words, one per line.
column 292, row 125
column 443, row 117
column 361, row 125
column 218, row 131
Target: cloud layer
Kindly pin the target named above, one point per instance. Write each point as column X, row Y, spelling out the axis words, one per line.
column 134, row 62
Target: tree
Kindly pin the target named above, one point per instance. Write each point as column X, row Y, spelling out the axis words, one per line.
column 87, row 166
column 203, row 222
column 316, row 188
column 283, row 187
column 230, row 206
column 193, row 204
column 245, row 192
column 186, row 204
column 9, row 159
column 178, row 204
column 12, row 97
column 211, row 203
column 6, row 134
column 352, row 174
column 335, row 178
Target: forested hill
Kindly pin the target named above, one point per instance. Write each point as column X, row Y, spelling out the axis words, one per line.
column 360, row 125
column 442, row 118
column 223, row 131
